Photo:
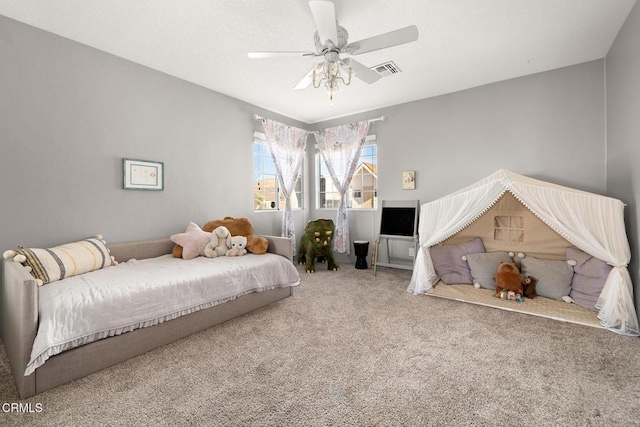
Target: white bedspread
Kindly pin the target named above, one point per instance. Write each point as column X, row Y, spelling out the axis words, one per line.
column 137, row 294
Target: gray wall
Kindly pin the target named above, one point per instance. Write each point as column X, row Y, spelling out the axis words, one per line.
column 548, row 126
column 70, row 113
column 623, row 131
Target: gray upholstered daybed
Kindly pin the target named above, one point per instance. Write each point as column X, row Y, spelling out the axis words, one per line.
column 20, row 322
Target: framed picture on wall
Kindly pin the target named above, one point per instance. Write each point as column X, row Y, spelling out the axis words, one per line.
column 143, row 175
column 409, row 180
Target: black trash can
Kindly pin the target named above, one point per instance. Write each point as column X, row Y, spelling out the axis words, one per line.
column 361, row 249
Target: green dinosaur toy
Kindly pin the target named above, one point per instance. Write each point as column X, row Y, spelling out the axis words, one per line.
column 316, row 242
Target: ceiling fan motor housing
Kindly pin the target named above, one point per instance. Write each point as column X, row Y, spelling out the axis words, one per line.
column 343, row 38
column 332, row 55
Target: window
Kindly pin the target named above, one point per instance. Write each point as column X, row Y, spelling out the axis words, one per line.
column 363, row 190
column 266, row 191
column 508, row 228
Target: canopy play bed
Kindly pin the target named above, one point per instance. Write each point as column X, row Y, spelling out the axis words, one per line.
column 536, row 223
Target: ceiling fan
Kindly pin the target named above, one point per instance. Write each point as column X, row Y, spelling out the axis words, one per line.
column 331, row 42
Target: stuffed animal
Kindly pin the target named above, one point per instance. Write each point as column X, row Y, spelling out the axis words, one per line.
column 237, row 227
column 316, row 242
column 218, row 246
column 508, row 278
column 237, row 246
column 529, row 285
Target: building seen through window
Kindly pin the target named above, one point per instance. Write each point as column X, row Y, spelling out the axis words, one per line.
column 363, row 190
column 266, row 191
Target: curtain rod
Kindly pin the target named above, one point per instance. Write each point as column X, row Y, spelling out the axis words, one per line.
column 377, row 119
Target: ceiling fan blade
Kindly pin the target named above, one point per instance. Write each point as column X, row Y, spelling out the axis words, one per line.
column 324, row 14
column 382, row 41
column 279, row 54
column 306, row 80
column 363, row 72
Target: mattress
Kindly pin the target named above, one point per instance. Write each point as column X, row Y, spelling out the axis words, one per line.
column 141, row 293
column 538, row 306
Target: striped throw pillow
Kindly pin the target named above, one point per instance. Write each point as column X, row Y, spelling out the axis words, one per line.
column 71, row 259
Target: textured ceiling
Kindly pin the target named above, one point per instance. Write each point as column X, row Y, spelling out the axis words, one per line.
column 462, row 43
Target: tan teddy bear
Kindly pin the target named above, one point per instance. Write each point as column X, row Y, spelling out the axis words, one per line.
column 508, row 278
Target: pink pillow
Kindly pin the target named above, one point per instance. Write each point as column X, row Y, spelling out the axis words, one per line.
column 193, row 241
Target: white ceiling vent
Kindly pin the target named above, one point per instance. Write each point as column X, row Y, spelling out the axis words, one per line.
column 386, row 69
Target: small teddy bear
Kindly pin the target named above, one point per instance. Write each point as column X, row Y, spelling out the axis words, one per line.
column 529, row 285
column 237, row 245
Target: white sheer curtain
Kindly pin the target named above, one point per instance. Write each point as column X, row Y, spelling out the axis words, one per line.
column 591, row 222
column 442, row 219
column 287, row 147
column 340, row 149
column 596, row 225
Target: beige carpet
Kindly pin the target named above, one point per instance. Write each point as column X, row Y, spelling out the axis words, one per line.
column 352, row 349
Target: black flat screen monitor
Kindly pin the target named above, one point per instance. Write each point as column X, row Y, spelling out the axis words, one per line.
column 398, row 221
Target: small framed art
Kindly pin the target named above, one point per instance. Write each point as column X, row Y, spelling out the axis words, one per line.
column 143, row 175
column 409, row 180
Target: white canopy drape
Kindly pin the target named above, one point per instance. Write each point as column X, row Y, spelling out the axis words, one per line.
column 591, row 222
column 287, row 146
